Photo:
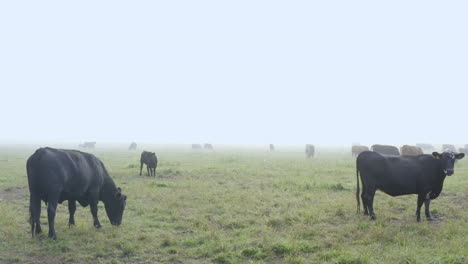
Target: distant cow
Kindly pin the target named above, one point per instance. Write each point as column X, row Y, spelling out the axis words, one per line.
column 88, row 145
column 208, row 146
column 385, row 149
column 426, row 147
column 310, row 150
column 133, row 146
column 57, row 175
column 356, row 150
column 449, row 147
column 463, row 150
column 196, row 146
column 151, row 161
column 272, row 147
column 411, row 150
column 423, row 175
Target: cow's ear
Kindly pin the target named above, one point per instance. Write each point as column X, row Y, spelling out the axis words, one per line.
column 436, row 155
column 460, row 155
column 119, row 190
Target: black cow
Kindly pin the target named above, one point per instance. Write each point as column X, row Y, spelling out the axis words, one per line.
column 196, row 146
column 208, row 146
column 310, row 150
column 449, row 147
column 385, row 149
column 272, row 147
column 151, row 161
column 423, row 175
column 89, row 145
column 133, row 146
column 57, row 175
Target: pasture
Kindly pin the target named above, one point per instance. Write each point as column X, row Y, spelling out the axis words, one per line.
column 236, row 206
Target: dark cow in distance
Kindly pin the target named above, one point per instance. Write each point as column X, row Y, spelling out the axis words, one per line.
column 196, row 146
column 423, row 175
column 208, row 146
column 310, row 150
column 411, row 150
column 425, row 147
column 57, row 175
column 133, row 146
column 151, row 161
column 449, row 147
column 88, row 145
column 385, row 149
column 357, row 149
column 272, row 147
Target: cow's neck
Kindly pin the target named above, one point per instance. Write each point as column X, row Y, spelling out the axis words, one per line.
column 108, row 189
column 438, row 184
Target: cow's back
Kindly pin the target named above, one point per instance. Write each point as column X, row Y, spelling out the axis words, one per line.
column 67, row 173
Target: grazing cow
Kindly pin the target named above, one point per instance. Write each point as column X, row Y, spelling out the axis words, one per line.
column 133, row 146
column 463, row 150
column 208, row 146
column 356, row 150
column 151, row 161
column 272, row 147
column 310, row 150
column 57, row 175
column 196, row 146
column 449, row 147
column 385, row 149
column 411, row 150
column 426, row 147
column 423, row 175
column 88, row 145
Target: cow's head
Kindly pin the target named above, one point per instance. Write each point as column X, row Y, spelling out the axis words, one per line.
column 115, row 207
column 448, row 160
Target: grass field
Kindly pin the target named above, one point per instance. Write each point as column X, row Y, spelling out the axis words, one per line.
column 236, row 206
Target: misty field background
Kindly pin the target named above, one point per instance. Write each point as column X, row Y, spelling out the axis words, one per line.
column 234, row 205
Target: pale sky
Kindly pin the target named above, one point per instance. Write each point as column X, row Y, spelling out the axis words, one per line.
column 286, row 72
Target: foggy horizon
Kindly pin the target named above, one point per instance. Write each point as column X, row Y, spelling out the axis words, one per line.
column 234, row 73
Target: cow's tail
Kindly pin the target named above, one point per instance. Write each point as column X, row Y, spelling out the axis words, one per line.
column 357, row 190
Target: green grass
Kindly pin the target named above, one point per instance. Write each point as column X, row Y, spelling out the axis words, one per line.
column 233, row 206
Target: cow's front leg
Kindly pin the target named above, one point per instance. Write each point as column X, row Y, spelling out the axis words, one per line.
column 421, row 200
column 94, row 211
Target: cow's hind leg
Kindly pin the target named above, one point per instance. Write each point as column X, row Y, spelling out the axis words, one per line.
column 364, row 200
column 418, row 208
column 71, row 210
column 35, row 211
column 427, row 202
column 51, row 210
column 141, row 167
column 370, row 193
column 148, row 170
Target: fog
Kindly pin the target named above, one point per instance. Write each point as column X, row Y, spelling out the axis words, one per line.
column 239, row 72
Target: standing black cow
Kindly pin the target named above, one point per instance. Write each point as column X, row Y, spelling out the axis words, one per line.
column 133, row 146
column 310, row 150
column 151, row 161
column 56, row 175
column 423, row 175
column 385, row 149
column 208, row 146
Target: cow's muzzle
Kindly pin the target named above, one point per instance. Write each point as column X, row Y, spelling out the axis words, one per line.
column 449, row 172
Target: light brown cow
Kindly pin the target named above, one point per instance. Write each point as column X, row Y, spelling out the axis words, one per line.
column 410, row 150
column 356, row 150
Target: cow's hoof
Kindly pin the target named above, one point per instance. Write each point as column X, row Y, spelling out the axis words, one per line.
column 373, row 217
column 430, row 219
column 418, row 219
column 53, row 236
